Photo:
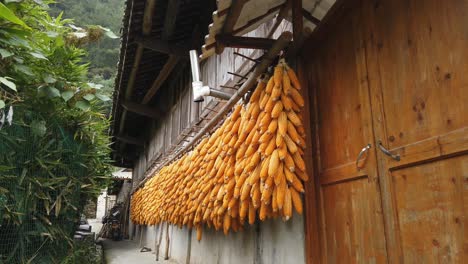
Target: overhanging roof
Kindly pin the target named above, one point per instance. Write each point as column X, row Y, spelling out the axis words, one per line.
column 254, row 13
column 154, row 33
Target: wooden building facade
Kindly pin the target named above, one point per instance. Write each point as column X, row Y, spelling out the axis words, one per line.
column 386, row 90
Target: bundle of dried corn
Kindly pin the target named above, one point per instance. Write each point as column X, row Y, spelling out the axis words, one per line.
column 251, row 165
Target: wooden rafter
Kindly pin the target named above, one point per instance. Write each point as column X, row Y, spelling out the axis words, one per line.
column 231, row 20
column 170, row 18
column 162, row 46
column 310, row 17
column 162, row 76
column 255, row 20
column 141, row 109
column 244, row 42
column 130, row 140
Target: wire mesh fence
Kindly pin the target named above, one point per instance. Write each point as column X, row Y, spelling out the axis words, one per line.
column 40, row 198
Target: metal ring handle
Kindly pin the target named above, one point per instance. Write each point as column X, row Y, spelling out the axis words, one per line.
column 387, row 152
column 363, row 150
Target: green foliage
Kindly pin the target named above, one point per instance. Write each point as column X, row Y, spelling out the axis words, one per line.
column 55, row 155
column 84, row 252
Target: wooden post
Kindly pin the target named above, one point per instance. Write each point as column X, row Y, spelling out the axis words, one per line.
column 166, row 254
column 297, row 20
column 161, row 226
column 189, row 247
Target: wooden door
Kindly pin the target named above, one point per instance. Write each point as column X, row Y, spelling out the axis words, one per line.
column 417, row 57
column 351, row 221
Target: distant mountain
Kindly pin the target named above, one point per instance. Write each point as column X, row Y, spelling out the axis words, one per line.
column 103, row 56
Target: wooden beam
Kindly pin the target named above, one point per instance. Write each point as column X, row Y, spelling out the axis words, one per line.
column 310, row 17
column 255, row 20
column 141, row 109
column 244, row 42
column 163, row 46
column 297, row 21
column 163, row 74
column 148, row 16
column 170, row 18
column 231, row 20
column 130, row 140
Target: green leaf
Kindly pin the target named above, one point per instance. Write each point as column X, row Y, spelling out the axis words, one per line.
column 52, row 34
column 108, row 33
column 49, row 79
column 7, row 14
column 67, row 95
column 89, row 97
column 2, row 104
column 103, row 97
column 38, row 127
column 48, row 91
column 8, row 83
column 5, row 53
column 38, row 55
column 83, row 105
column 24, row 69
column 52, row 92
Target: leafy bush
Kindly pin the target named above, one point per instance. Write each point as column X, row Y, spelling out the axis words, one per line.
column 54, row 147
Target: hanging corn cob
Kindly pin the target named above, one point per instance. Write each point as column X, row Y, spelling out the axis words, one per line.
column 251, row 165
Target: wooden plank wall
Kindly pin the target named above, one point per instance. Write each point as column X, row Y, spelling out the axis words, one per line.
column 183, row 111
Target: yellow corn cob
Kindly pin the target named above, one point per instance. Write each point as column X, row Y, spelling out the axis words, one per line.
column 294, row 80
column 297, row 184
column 236, row 113
column 270, row 85
column 287, row 103
column 277, row 109
column 280, row 194
column 264, row 170
column 258, row 90
column 244, row 208
column 264, row 101
column 251, row 213
column 269, row 105
column 289, row 162
column 276, row 92
column 286, row 84
column 226, row 223
column 279, row 140
column 291, row 145
column 302, row 175
column 283, row 123
column 274, row 164
column 272, row 127
column 278, row 177
column 297, row 97
column 287, row 206
column 199, row 233
column 278, row 74
column 274, row 202
column 263, row 212
column 296, row 200
column 300, row 164
column 271, row 146
column 294, row 118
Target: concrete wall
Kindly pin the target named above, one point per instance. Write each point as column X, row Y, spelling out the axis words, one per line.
column 269, row 242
